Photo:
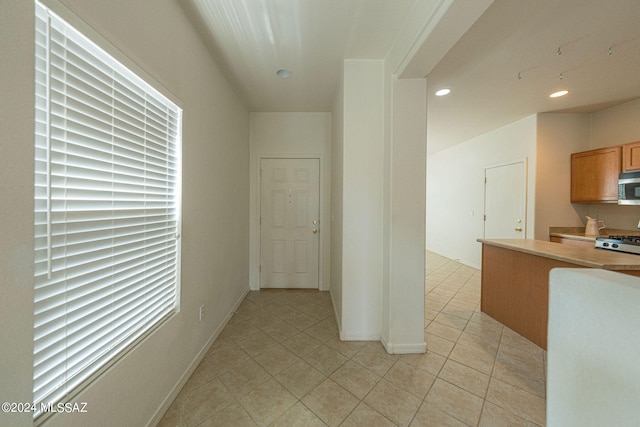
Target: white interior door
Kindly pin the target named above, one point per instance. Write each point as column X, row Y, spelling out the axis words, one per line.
column 505, row 203
column 289, row 223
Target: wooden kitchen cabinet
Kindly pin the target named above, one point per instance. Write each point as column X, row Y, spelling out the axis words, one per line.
column 631, row 157
column 594, row 175
column 515, row 279
column 515, row 290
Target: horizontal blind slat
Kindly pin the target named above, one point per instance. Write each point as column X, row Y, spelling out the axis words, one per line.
column 106, row 212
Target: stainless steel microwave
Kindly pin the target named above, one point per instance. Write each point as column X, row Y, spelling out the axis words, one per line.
column 629, row 188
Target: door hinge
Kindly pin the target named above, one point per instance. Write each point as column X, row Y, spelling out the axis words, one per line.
column 260, row 269
column 485, row 179
column 485, row 217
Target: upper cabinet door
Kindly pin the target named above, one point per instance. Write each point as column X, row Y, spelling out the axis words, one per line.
column 631, row 157
column 594, row 175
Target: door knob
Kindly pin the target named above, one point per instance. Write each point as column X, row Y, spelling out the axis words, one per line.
column 518, row 229
column 315, row 231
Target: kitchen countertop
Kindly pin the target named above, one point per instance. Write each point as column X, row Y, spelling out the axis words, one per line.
column 577, row 233
column 583, row 256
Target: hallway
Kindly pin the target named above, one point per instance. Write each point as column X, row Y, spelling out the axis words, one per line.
column 279, row 362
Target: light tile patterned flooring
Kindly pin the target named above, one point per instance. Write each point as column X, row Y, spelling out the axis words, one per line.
column 279, row 362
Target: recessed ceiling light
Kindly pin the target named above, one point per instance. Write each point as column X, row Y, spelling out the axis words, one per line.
column 558, row 93
column 283, row 73
column 443, row 92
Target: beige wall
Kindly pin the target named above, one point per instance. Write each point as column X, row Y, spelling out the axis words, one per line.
column 616, row 125
column 16, row 210
column 613, row 126
column 559, row 135
column 291, row 135
column 215, row 238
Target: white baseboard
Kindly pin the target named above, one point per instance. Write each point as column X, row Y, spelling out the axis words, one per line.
column 352, row 336
column 157, row 416
column 391, row 348
column 404, row 348
column 360, row 336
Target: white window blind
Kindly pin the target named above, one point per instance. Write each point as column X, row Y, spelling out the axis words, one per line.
column 107, row 205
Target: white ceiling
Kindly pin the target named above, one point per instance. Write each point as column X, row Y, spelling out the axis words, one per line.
column 520, row 36
column 251, row 39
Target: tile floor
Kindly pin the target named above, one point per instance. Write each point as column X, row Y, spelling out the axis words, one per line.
column 279, row 362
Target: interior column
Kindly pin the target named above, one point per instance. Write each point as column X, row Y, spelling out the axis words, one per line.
column 404, row 222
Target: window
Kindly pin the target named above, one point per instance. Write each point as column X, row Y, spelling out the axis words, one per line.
column 107, row 209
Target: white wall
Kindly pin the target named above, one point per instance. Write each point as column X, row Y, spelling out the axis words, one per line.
column 337, row 165
column 378, row 210
column 362, row 199
column 291, row 135
column 593, row 374
column 549, row 143
column 455, row 188
column 215, row 238
column 404, row 222
column 378, row 157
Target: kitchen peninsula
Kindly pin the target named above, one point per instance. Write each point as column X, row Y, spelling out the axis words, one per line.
column 515, row 279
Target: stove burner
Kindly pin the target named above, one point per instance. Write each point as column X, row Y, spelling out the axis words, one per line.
column 626, row 239
column 629, row 244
